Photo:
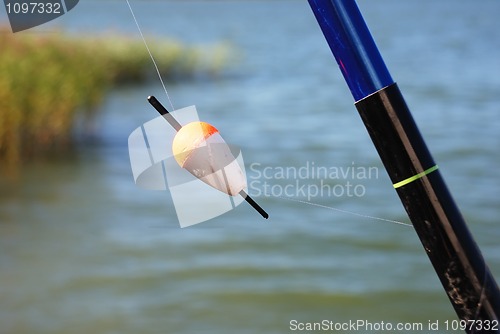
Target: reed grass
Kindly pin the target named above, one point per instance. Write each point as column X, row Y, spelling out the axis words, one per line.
column 46, row 81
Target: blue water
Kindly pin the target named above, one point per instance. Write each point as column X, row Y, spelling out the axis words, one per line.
column 84, row 250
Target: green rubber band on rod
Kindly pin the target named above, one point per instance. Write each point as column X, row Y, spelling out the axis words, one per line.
column 415, row 177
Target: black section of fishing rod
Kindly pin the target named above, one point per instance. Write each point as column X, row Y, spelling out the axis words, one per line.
column 461, row 268
column 254, row 204
column 164, row 112
column 177, row 126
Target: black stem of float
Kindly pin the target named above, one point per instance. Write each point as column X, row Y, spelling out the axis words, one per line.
column 254, row 204
column 177, row 126
column 164, row 112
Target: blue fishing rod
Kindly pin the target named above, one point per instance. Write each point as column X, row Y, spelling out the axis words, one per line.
column 456, row 258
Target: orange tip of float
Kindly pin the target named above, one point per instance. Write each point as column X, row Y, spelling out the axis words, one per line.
column 190, row 137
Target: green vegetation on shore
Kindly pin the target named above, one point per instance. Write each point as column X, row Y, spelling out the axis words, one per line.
column 47, row 80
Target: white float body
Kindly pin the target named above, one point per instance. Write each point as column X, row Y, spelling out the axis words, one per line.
column 213, row 163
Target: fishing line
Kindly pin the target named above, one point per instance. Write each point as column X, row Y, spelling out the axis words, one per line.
column 287, row 198
column 345, row 211
column 150, row 55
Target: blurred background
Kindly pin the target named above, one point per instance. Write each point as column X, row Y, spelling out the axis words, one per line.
column 83, row 250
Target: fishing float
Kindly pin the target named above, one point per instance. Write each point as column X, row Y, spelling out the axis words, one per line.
column 456, row 258
column 199, row 148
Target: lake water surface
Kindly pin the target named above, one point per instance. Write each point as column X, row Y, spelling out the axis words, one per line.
column 83, row 250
